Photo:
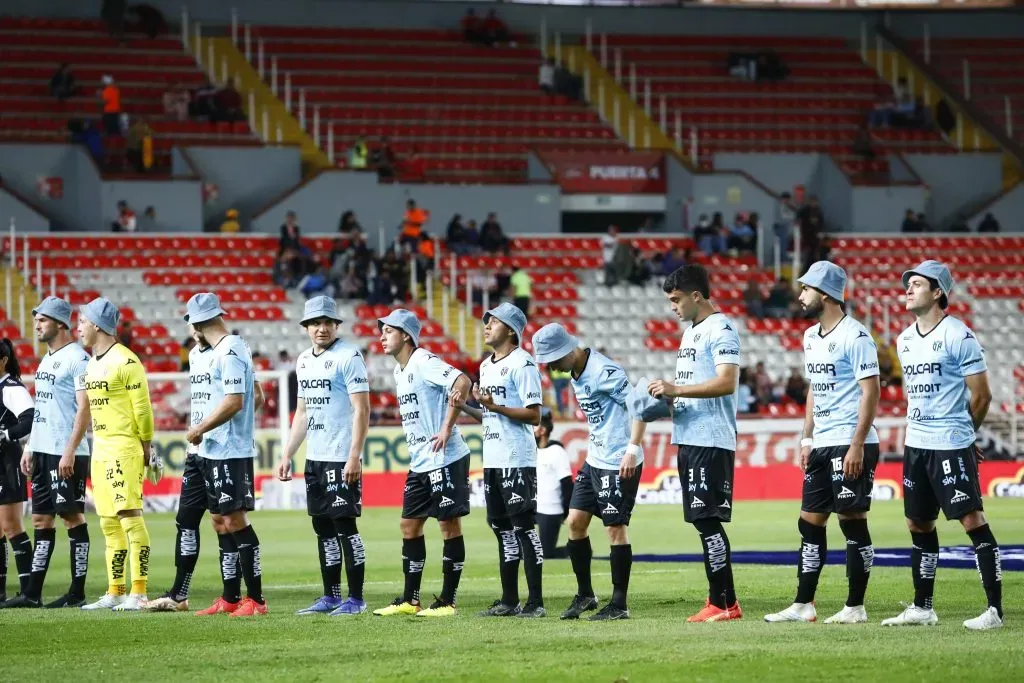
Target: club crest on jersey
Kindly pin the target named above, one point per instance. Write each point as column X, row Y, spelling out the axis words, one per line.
column 831, row 347
column 937, row 346
column 696, row 337
column 328, row 365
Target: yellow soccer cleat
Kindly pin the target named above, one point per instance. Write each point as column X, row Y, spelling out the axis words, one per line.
column 438, row 609
column 398, row 606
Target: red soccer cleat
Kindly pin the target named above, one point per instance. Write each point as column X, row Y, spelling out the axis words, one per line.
column 249, row 608
column 712, row 613
column 219, row 606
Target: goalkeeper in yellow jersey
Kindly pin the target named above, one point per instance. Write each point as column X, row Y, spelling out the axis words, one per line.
column 122, row 427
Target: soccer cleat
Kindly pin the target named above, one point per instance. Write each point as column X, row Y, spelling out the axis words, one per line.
column 22, row 601
column 798, row 611
column 500, row 609
column 322, row 605
column 989, row 619
column 849, row 615
column 913, row 616
column 713, row 613
column 107, row 601
column 610, row 612
column 579, row 605
column 350, row 606
column 533, row 610
column 219, row 606
column 134, row 603
column 250, row 608
column 398, row 606
column 66, row 600
column 166, row 603
column 437, row 609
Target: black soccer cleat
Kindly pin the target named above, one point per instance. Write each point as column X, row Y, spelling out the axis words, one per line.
column 20, row 600
column 500, row 609
column 611, row 612
column 533, row 610
column 579, row 605
column 66, row 600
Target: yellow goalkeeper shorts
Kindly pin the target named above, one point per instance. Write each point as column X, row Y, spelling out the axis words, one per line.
column 117, row 484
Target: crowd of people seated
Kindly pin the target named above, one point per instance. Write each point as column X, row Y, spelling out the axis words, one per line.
column 713, row 236
column 466, row 238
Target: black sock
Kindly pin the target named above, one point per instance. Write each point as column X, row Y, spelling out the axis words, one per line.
column 508, row 563
column 22, row 549
column 813, row 555
column 78, row 539
column 717, row 563
column 355, row 555
column 3, row 566
column 41, row 554
column 249, row 557
column 451, row 565
column 533, row 564
column 186, row 555
column 229, row 569
column 924, row 560
column 329, row 551
column 990, row 567
column 580, row 553
column 414, row 557
column 622, row 562
column 860, row 555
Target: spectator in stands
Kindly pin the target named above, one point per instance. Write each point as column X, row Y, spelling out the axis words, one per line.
column 622, row 266
column 86, row 133
column 762, row 384
column 397, row 272
column 742, row 235
column 609, row 241
column 910, row 223
column 425, row 257
column 922, row 222
column 351, row 285
column 288, row 268
column 112, row 13
column 753, row 300
column 988, row 224
column 492, row 237
column 781, row 303
column 546, row 76
column 125, row 335
column 560, row 384
column 522, row 289
column 383, row 159
column 138, row 146
column 176, row 101
column 673, row 260
column 495, row 30
column 284, row 360
column 746, row 402
column 147, row 19
column 202, row 105
column 227, row 103
column 455, row 236
column 811, row 221
column 472, row 236
column 787, row 217
column 126, row 221
column 359, row 153
column 148, row 221
column 568, row 84
column 472, row 27
column 899, row 104
column 316, row 282
column 348, row 225
column 862, row 142
column 291, row 234
column 415, row 166
column 110, row 96
column 62, row 84
column 413, row 223
column 230, row 224
column 796, row 387
column 382, row 291
column 482, row 282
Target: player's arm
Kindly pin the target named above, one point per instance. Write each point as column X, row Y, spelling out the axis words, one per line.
column 360, row 427
column 981, row 397
column 462, row 385
column 19, row 402
column 527, row 383
column 295, row 438
column 233, row 377
column 78, row 429
column 259, row 398
column 137, row 387
column 636, row 438
column 870, row 391
column 722, row 384
column 475, row 413
column 807, row 434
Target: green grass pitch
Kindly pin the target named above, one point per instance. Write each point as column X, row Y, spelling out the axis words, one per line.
column 656, row 645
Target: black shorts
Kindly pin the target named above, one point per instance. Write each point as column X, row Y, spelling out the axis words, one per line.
column 228, row 484
column 511, row 494
column 940, row 479
column 706, row 473
column 13, row 487
column 327, row 494
column 193, row 489
column 442, row 493
column 605, row 494
column 52, row 495
column 827, row 490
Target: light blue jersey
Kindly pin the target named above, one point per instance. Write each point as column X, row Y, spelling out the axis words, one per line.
column 601, row 390
column 423, row 387
column 709, row 422
column 834, row 363
column 934, row 368
column 199, row 378
column 514, row 382
column 325, row 383
column 60, row 376
column 230, row 372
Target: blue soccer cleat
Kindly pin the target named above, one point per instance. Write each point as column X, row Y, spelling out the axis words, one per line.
column 323, row 605
column 350, row 606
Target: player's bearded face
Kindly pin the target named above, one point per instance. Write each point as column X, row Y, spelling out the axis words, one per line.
column 46, row 328
column 812, row 301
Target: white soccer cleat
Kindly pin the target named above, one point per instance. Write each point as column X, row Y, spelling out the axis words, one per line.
column 108, row 601
column 989, row 619
column 913, row 616
column 133, row 603
column 849, row 615
column 798, row 611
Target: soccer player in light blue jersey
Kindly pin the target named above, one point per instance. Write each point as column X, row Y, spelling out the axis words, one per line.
column 332, row 415
column 224, row 434
column 57, row 454
column 945, row 379
column 839, row 449
column 607, row 484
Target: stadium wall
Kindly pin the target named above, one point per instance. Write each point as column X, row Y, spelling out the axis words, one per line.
column 691, row 194
column 959, row 182
column 24, row 216
column 1007, row 209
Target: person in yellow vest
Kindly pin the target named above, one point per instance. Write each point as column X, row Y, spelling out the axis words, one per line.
column 522, row 287
column 560, row 383
column 358, row 154
column 231, row 223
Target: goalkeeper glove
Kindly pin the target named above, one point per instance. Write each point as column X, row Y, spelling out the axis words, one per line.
column 155, row 469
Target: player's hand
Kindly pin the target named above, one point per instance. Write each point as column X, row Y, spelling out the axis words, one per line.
column 853, row 463
column 66, row 466
column 26, row 463
column 284, row 469
column 155, row 469
column 457, row 399
column 805, row 457
column 660, row 388
column 353, row 471
column 483, row 397
column 979, row 454
column 439, row 442
column 194, row 436
column 628, row 467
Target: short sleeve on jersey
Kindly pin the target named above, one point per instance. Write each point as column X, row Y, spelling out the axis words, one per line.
column 78, row 369
column 615, row 383
column 863, row 356
column 354, row 374
column 17, row 399
column 527, row 380
column 967, row 352
column 233, row 372
column 435, row 371
column 725, row 345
